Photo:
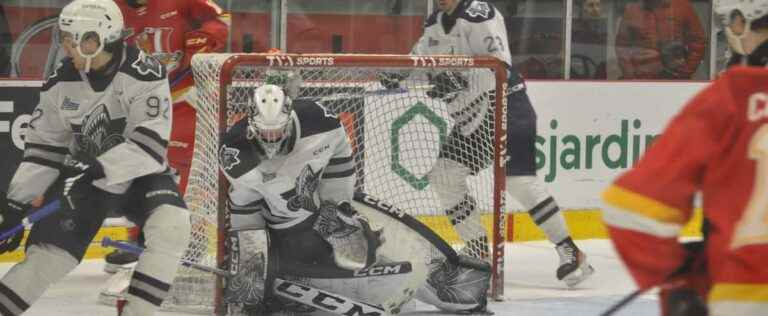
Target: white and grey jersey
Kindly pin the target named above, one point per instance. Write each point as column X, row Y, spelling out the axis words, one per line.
column 123, row 120
column 476, row 28
column 259, row 184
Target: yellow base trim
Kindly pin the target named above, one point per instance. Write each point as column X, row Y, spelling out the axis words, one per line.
column 642, row 205
column 95, row 250
column 583, row 224
column 739, row 292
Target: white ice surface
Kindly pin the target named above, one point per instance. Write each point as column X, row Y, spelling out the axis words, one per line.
column 530, row 287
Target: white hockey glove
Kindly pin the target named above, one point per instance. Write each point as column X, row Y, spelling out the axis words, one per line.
column 354, row 243
column 447, row 85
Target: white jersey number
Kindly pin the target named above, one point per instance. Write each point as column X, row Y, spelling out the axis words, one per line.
column 753, row 226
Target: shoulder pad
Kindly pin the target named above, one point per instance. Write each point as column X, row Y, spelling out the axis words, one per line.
column 477, row 11
column 314, row 118
column 237, row 155
column 141, row 66
column 65, row 71
column 431, row 20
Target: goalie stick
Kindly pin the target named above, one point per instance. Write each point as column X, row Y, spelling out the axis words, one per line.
column 37, row 215
column 300, row 293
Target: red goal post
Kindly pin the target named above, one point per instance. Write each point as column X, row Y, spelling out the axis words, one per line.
column 393, row 145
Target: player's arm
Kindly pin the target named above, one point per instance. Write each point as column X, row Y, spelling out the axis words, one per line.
column 211, row 35
column 647, row 206
column 148, row 101
column 46, row 146
column 338, row 179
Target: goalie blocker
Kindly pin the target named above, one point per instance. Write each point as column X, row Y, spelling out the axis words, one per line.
column 402, row 271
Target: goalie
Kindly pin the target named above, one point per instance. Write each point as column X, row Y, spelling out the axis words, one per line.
column 291, row 174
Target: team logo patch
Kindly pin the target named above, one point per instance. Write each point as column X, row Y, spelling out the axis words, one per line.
column 98, row 132
column 69, row 105
column 228, row 157
column 479, row 9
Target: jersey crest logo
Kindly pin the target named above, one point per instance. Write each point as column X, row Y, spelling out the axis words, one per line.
column 69, row 105
column 306, row 185
column 145, row 65
column 98, row 132
column 228, row 157
column 156, row 41
column 479, row 9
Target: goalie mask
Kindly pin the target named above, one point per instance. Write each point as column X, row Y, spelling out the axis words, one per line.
column 735, row 17
column 269, row 118
column 100, row 20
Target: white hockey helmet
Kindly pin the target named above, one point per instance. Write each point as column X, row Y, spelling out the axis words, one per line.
column 726, row 13
column 269, row 117
column 85, row 18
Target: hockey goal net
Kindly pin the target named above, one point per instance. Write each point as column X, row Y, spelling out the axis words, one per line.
column 396, row 134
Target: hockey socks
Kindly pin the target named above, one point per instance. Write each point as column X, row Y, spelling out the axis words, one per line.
column 10, row 302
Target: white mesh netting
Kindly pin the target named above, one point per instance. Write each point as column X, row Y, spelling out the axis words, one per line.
column 397, row 136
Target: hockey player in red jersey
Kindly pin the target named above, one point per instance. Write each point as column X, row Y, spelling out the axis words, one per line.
column 172, row 31
column 717, row 145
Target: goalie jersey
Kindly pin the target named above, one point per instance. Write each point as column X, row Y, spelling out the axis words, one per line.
column 718, row 145
column 123, row 120
column 318, row 144
column 475, row 28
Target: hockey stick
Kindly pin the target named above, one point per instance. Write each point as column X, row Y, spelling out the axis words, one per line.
column 37, row 215
column 108, row 242
column 300, row 293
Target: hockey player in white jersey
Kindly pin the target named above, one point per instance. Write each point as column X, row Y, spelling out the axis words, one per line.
column 476, row 28
column 291, row 171
column 97, row 141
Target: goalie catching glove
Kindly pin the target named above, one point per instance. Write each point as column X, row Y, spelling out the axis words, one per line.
column 354, row 243
column 447, row 85
column 11, row 214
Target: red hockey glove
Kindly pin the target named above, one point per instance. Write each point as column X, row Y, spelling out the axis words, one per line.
column 200, row 42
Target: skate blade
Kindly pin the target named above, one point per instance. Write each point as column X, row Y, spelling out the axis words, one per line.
column 579, row 275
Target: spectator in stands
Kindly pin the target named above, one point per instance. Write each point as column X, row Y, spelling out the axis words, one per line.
column 5, row 45
column 660, row 39
column 590, row 35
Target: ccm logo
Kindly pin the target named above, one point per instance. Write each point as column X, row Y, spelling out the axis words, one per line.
column 324, row 300
column 389, row 208
column 387, row 269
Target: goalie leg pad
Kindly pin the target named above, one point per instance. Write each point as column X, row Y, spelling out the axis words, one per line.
column 167, row 231
column 448, row 179
column 457, row 287
column 43, row 266
column 248, row 267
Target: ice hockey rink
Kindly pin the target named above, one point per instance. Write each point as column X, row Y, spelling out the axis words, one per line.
column 530, row 287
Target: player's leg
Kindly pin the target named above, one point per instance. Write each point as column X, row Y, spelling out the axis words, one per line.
column 54, row 247
column 156, row 206
column 529, row 191
column 462, row 156
column 180, row 151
